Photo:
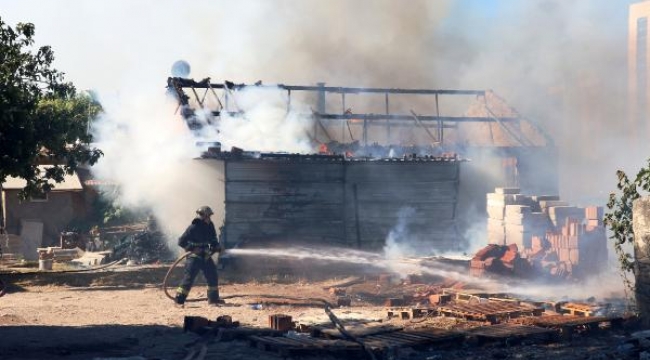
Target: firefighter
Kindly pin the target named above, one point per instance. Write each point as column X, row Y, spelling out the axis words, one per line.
column 200, row 238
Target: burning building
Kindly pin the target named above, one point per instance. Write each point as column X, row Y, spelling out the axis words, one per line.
column 370, row 169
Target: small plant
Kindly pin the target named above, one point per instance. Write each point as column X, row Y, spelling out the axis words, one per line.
column 619, row 219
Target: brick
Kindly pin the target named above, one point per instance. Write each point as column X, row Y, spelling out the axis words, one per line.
column 560, row 214
column 593, row 223
column 574, row 256
column 393, row 302
column 337, row 291
column 441, row 299
column 594, row 212
column 343, row 301
column 280, row 322
column 563, row 254
column 477, row 264
column 538, row 243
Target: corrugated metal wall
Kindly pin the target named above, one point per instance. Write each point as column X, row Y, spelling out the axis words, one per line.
column 336, row 202
column 383, row 188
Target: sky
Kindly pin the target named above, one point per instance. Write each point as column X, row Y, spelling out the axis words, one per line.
column 561, row 63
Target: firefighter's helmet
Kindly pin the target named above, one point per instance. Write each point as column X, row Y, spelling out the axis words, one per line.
column 204, row 211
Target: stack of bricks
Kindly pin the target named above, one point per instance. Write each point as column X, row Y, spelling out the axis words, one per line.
column 496, row 209
column 547, row 230
column 514, row 218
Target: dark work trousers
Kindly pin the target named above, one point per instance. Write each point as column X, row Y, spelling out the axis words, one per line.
column 193, row 264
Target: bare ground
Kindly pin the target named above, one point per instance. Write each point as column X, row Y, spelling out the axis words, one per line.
column 122, row 314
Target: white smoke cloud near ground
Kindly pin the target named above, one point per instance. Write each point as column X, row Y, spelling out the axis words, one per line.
column 400, row 242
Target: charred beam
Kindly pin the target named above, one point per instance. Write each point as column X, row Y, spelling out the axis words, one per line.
column 409, row 118
column 205, row 83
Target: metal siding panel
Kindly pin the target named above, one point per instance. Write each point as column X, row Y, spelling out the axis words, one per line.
column 384, row 188
column 289, row 171
column 272, row 192
column 303, row 211
column 379, row 171
column 285, row 200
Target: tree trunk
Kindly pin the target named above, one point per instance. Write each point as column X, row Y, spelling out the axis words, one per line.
column 641, row 226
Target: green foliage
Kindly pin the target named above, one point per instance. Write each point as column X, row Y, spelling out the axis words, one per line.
column 619, row 218
column 41, row 115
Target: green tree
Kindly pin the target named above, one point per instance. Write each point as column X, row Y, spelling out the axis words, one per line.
column 620, row 216
column 41, row 116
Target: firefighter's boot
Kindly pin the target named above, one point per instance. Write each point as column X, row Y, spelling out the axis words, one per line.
column 180, row 298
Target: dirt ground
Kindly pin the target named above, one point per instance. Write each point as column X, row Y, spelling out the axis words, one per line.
column 124, row 314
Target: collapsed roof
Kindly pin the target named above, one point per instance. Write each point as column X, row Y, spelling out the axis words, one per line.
column 383, row 116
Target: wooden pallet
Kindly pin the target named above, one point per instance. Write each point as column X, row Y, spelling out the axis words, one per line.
column 494, row 312
column 354, row 331
column 378, row 343
column 306, row 345
column 410, row 313
column 570, row 324
column 412, row 339
column 578, row 309
column 510, row 333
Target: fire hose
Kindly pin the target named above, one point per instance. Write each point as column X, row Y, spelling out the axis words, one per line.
column 326, row 305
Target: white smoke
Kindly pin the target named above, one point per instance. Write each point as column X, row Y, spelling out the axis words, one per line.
column 399, row 242
column 149, row 153
column 268, row 122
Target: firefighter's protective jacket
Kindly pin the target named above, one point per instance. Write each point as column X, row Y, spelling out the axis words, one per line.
column 199, row 235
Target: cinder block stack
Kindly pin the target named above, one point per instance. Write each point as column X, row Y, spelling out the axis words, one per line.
column 514, row 218
column 496, row 209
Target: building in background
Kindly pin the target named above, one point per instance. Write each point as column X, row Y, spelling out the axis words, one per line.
column 638, row 91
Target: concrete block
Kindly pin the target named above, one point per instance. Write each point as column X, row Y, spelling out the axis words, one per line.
column 495, row 212
column 539, row 198
column 500, row 199
column 517, row 209
column 545, row 204
column 507, row 190
column 497, row 239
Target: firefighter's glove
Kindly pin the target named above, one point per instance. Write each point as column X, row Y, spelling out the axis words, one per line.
column 214, row 248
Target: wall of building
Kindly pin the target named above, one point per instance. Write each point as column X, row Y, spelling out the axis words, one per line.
column 329, row 201
column 60, row 208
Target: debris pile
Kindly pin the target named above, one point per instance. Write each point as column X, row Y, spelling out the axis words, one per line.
column 145, row 247
column 499, row 259
column 549, row 234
